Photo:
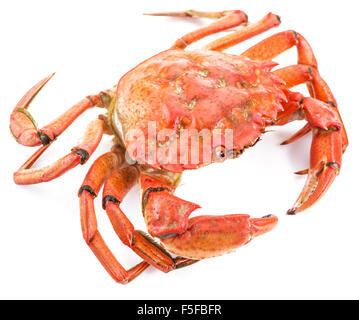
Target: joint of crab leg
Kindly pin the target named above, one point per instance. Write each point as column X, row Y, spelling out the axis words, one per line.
column 318, row 114
column 99, row 171
column 119, row 184
column 321, row 115
column 318, row 88
column 109, row 198
column 116, row 186
column 93, row 181
column 51, row 131
column 26, row 175
column 110, row 263
column 82, row 153
column 210, row 236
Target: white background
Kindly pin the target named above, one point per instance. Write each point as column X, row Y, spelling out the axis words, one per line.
column 90, row 44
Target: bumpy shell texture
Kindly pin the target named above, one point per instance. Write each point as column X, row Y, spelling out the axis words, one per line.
column 201, row 90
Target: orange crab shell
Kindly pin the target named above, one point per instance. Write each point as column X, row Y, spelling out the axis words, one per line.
column 166, row 95
column 198, row 90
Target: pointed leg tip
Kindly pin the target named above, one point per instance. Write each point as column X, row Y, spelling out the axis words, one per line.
column 49, row 77
column 268, row 216
column 302, row 172
column 292, row 212
column 168, row 14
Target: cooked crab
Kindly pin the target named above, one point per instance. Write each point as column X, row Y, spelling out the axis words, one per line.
column 180, row 110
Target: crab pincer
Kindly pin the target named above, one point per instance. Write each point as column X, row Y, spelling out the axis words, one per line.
column 211, row 236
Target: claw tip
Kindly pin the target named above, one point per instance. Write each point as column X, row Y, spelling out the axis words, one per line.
column 268, row 216
column 292, row 212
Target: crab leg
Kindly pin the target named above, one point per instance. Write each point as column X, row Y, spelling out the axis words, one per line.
column 78, row 154
column 269, row 21
column 275, row 45
column 110, row 263
column 22, row 125
column 325, row 164
column 99, row 171
column 115, row 189
column 117, row 184
column 298, row 74
column 299, row 134
column 167, row 217
column 24, row 128
column 326, row 151
column 227, row 20
column 327, row 146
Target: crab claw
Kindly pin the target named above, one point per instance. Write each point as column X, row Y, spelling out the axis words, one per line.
column 22, row 125
column 210, row 236
column 325, row 164
column 164, row 213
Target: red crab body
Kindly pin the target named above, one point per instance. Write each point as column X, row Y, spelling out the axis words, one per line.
column 181, row 110
column 198, row 90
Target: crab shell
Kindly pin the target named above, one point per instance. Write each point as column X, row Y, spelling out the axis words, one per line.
column 200, row 90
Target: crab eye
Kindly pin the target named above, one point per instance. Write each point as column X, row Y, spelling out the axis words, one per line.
column 220, row 153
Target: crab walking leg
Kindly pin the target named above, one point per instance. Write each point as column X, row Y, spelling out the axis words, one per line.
column 22, row 125
column 326, row 152
column 227, row 20
column 273, row 46
column 24, row 128
column 327, row 145
column 110, row 263
column 325, row 165
column 167, row 217
column 299, row 74
column 115, row 189
column 269, row 21
column 99, row 171
column 79, row 154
